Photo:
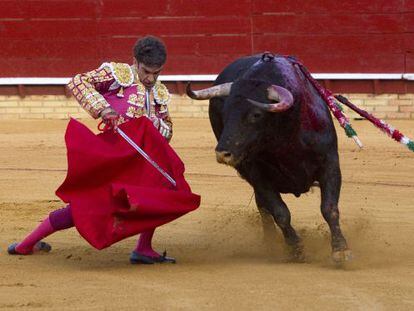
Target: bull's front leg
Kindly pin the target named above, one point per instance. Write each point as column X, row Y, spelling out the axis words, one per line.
column 269, row 228
column 271, row 203
column 330, row 184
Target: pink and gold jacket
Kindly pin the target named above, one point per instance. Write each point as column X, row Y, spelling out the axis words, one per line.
column 116, row 85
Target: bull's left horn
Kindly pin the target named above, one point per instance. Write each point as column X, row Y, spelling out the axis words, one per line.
column 282, row 97
column 214, row 91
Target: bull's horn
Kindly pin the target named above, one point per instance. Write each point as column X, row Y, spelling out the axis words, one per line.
column 282, row 97
column 214, row 91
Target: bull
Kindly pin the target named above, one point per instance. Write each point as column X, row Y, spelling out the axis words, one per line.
column 274, row 128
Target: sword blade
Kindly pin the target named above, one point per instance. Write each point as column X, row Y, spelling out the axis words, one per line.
column 146, row 156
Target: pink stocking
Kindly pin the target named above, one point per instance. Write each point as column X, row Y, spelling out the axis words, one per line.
column 144, row 245
column 57, row 220
column 28, row 244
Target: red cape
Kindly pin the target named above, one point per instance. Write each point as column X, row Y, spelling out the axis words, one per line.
column 113, row 191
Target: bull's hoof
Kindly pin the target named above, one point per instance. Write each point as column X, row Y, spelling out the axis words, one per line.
column 297, row 254
column 342, row 256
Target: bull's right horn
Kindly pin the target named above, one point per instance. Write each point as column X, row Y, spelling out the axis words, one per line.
column 282, row 97
column 214, row 91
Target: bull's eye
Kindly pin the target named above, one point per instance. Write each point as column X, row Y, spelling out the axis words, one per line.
column 255, row 116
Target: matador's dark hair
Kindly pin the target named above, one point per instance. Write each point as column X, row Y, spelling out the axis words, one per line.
column 150, row 51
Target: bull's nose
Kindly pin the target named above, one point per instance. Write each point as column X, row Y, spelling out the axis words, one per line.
column 224, row 157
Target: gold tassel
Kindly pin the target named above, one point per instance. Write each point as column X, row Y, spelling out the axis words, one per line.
column 120, row 92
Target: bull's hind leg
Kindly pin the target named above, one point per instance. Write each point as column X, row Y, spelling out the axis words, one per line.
column 272, row 203
column 330, row 185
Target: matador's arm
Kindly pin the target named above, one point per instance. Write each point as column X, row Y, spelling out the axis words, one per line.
column 87, row 88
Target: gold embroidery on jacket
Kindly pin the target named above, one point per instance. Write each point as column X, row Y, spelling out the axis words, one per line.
column 134, row 112
column 136, row 100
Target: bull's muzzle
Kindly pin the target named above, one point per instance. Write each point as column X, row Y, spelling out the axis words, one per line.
column 225, row 157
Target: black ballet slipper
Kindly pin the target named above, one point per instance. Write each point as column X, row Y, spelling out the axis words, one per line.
column 137, row 258
column 40, row 246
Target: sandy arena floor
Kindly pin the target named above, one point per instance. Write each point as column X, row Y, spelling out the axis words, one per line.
column 223, row 262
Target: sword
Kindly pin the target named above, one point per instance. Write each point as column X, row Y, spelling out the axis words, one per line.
column 146, row 156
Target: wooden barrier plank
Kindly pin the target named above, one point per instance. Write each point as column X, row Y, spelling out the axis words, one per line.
column 409, row 61
column 12, row 9
column 409, row 42
column 361, row 62
column 33, row 49
column 205, row 45
column 173, row 26
column 193, row 64
column 35, row 9
column 409, row 6
column 329, row 24
column 126, row 8
column 210, row 45
column 46, row 29
column 59, row 9
column 332, row 44
column 409, row 22
column 327, row 6
column 45, row 67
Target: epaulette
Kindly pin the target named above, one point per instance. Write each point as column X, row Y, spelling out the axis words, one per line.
column 121, row 72
column 161, row 94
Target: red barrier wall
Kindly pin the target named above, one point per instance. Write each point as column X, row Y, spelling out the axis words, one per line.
column 58, row 38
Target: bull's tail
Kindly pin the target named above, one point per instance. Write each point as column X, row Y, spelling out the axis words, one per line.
column 387, row 128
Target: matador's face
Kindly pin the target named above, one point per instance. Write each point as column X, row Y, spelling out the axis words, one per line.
column 148, row 75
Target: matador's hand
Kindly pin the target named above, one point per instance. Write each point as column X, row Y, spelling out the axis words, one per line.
column 110, row 117
column 161, row 126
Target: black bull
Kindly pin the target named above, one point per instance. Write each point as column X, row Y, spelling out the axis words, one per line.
column 277, row 132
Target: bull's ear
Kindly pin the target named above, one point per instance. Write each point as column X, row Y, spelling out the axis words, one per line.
column 214, row 91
